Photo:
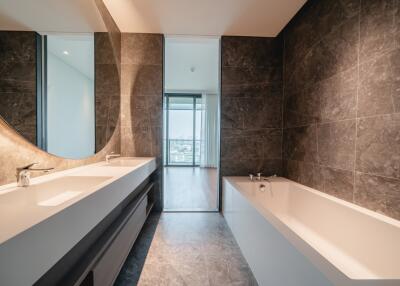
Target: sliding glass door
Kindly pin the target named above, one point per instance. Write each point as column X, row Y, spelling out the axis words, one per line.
column 183, row 128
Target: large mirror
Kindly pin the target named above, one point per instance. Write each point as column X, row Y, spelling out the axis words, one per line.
column 58, row 89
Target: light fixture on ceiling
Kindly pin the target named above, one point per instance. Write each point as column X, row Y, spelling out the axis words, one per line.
column 66, row 53
column 192, row 69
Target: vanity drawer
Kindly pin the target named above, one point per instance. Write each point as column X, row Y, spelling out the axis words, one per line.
column 109, row 265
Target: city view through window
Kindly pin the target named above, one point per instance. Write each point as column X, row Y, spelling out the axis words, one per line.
column 182, row 138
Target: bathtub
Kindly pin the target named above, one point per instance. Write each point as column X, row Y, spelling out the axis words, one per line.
column 294, row 235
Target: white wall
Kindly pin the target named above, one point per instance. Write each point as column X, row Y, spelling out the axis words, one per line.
column 70, row 110
column 184, row 53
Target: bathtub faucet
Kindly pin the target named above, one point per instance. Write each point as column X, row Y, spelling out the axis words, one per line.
column 268, row 178
column 258, row 177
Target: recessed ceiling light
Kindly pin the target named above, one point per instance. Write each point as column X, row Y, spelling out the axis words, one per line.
column 66, row 53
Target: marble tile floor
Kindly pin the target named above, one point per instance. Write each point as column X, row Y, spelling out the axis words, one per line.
column 185, row 249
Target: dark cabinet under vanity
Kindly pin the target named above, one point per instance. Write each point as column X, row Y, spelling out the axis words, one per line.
column 97, row 259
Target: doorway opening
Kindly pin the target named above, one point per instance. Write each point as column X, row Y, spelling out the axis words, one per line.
column 191, row 124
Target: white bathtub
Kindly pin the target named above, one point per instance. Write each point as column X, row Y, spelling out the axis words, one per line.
column 294, row 235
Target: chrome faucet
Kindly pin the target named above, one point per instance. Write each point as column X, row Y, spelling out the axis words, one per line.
column 24, row 174
column 111, row 155
column 251, row 176
column 259, row 176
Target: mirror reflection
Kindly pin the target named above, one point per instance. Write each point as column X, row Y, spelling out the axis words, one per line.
column 60, row 91
column 69, row 97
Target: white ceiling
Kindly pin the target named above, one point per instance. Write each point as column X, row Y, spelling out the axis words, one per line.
column 187, row 17
column 191, row 64
column 204, row 17
column 51, row 16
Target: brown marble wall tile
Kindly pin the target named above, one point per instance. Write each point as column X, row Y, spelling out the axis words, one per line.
column 380, row 85
column 253, row 110
column 107, row 89
column 18, row 81
column 155, row 110
column 336, row 52
column 142, row 49
column 232, row 113
column 244, row 76
column 292, row 170
column 18, row 46
column 341, row 74
column 239, row 148
column 335, row 182
column 141, row 105
column 392, row 194
column 107, row 80
column 251, row 89
column 20, row 86
column 246, row 166
column 338, row 183
column 272, row 142
column 378, row 193
column 379, row 27
column 378, row 145
column 19, row 73
column 102, row 106
column 141, row 79
column 305, row 173
column 336, row 144
column 311, row 175
column 328, row 100
column 251, row 52
column 251, row 105
column 101, row 136
column 272, row 167
column 104, row 53
column 262, row 112
column 300, row 144
column 114, row 110
column 315, row 20
column 338, row 96
column 301, row 106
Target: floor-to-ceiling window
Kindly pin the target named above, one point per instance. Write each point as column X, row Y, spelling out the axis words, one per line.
column 182, row 142
column 191, row 92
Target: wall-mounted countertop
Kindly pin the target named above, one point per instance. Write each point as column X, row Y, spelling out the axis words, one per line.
column 41, row 223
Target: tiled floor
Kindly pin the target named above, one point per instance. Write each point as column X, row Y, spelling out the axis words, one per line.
column 185, row 249
column 190, row 188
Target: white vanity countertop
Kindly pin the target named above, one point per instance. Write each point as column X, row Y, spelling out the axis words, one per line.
column 41, row 223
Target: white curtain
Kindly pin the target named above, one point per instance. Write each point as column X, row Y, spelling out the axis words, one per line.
column 209, row 129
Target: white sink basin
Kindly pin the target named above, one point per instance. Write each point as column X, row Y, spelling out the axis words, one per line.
column 59, row 199
column 50, row 193
column 124, row 163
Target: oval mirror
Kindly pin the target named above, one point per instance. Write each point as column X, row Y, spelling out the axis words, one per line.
column 58, row 89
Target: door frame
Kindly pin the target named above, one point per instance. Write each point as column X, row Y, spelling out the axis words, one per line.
column 218, row 203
